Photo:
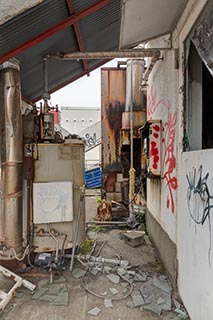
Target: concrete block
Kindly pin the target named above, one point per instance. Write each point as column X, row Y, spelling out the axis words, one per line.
column 134, row 238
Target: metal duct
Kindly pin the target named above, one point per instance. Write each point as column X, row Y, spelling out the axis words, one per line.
column 11, row 159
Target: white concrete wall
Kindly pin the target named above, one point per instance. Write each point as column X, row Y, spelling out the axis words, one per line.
column 195, row 259
column 193, row 197
column 77, row 120
column 162, row 105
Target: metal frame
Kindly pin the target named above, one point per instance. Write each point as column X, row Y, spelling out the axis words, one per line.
column 77, row 34
column 6, row 297
column 57, row 28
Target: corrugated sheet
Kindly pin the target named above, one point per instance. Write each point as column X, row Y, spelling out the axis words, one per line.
column 100, row 31
column 93, row 178
column 31, row 23
column 9, row 10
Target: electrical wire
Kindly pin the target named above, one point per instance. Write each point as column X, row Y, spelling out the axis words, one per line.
column 24, row 254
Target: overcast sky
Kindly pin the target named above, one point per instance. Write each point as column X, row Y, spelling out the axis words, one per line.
column 85, row 92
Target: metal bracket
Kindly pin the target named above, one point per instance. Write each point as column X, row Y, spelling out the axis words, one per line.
column 5, row 297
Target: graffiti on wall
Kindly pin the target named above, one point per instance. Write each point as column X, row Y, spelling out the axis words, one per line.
column 168, row 143
column 91, row 140
column 199, row 199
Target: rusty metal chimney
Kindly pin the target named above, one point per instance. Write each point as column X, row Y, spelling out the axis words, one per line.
column 11, row 160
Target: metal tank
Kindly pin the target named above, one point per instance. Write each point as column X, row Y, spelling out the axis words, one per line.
column 11, row 160
column 135, row 99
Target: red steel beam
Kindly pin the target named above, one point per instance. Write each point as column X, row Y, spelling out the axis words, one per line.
column 77, row 33
column 57, row 28
column 76, row 77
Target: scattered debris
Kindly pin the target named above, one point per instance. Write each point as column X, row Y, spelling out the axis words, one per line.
column 19, row 294
column 137, row 299
column 38, row 293
column 130, row 304
column 78, row 273
column 7, row 296
column 162, row 284
column 153, row 307
column 114, row 291
column 108, row 303
column 62, row 299
column 113, row 278
column 94, row 312
column 61, row 279
column 160, row 301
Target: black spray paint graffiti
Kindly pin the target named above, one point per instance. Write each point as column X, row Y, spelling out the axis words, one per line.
column 91, row 140
column 199, row 198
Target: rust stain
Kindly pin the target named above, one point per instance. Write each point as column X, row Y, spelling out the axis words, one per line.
column 113, row 105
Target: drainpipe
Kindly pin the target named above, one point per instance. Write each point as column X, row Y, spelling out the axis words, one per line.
column 11, row 160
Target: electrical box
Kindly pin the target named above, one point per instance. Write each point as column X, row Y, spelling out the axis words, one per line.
column 53, row 202
column 155, row 144
column 151, row 148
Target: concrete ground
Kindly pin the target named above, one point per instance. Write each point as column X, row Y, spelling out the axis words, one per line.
column 80, row 302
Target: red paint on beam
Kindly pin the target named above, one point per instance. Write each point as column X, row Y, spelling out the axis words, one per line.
column 76, row 77
column 57, row 28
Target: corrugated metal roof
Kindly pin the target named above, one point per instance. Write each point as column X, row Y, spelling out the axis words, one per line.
column 10, row 9
column 99, row 32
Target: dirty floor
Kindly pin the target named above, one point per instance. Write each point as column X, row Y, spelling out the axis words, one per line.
column 127, row 291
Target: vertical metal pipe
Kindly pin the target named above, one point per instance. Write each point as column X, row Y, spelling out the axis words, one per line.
column 11, row 157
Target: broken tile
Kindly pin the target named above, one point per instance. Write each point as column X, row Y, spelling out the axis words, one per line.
column 94, row 272
column 121, row 271
column 108, row 303
column 130, row 304
column 140, row 278
column 160, row 301
column 154, row 307
column 152, row 294
column 113, row 278
column 53, row 291
column 177, row 304
column 113, row 291
column 162, row 284
column 47, row 298
column 19, row 294
column 64, row 289
column 137, row 299
column 182, row 314
column 107, row 269
column 38, row 293
column 124, row 284
column 94, row 312
column 62, row 279
column 78, row 273
column 62, row 299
